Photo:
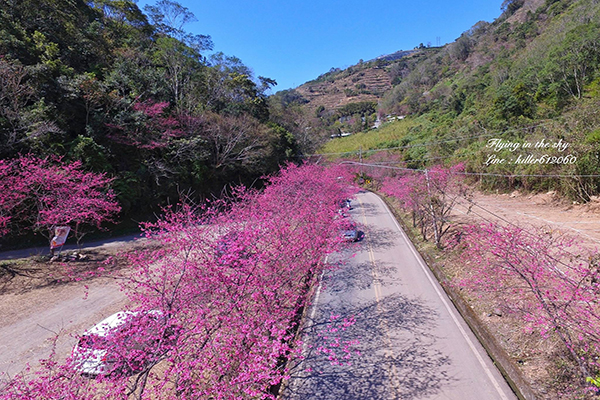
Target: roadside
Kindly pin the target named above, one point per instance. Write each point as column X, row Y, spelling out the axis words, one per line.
column 542, row 361
column 43, row 251
column 45, row 305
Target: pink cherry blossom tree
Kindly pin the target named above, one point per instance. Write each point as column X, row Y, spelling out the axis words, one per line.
column 546, row 279
column 409, row 189
column 429, row 195
column 151, row 128
column 12, row 194
column 48, row 193
column 229, row 281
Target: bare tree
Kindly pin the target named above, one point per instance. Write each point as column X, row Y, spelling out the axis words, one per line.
column 15, row 95
column 229, row 139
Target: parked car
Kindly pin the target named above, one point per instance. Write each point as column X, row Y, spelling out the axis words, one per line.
column 346, row 204
column 123, row 343
column 350, row 232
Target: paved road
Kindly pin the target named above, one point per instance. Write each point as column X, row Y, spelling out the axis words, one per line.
column 37, row 251
column 413, row 344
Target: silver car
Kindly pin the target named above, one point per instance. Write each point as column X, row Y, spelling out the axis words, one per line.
column 350, row 232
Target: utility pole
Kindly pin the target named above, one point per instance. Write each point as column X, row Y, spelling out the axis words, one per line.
column 360, row 159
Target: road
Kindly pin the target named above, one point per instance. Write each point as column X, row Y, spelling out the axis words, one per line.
column 39, row 321
column 407, row 342
column 36, row 251
column 52, row 317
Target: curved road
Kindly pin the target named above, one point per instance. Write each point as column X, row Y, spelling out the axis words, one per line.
column 407, row 342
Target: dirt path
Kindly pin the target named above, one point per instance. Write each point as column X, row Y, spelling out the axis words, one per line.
column 541, row 210
column 32, row 321
column 46, row 305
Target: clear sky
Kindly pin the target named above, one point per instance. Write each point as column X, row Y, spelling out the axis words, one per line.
column 296, row 41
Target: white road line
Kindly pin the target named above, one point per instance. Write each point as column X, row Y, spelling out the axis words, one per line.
column 315, row 304
column 295, row 382
column 317, row 295
column 445, row 302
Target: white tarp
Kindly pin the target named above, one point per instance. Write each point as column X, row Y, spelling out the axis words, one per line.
column 60, row 236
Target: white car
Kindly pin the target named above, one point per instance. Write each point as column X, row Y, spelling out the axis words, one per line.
column 125, row 342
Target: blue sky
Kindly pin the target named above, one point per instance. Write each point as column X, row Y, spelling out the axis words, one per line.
column 296, row 41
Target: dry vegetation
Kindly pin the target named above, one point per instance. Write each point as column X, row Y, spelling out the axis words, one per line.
column 353, row 85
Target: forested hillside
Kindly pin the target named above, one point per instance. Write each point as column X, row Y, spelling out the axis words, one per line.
column 130, row 93
column 133, row 95
column 532, row 74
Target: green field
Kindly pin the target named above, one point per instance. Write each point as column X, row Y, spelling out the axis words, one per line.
column 388, row 135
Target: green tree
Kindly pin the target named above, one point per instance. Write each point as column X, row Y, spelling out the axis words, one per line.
column 179, row 64
column 570, row 65
column 510, row 6
column 170, row 18
column 514, row 100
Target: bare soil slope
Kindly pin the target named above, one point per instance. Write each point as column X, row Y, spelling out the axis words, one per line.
column 351, row 86
column 541, row 210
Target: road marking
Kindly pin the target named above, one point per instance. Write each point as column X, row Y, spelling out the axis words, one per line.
column 317, row 294
column 445, row 302
column 295, row 382
column 377, row 289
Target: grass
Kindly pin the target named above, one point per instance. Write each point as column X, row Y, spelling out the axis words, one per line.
column 388, row 135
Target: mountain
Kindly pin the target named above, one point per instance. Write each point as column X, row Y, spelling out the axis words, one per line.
column 396, row 55
column 352, row 85
column 365, row 81
column 532, row 74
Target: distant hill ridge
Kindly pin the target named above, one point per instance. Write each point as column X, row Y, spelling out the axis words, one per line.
column 396, row 55
column 533, row 73
column 365, row 81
